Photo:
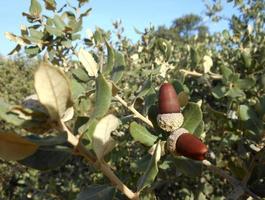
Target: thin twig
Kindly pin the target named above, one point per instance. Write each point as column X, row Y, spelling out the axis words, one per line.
column 134, row 111
column 197, row 74
column 102, row 166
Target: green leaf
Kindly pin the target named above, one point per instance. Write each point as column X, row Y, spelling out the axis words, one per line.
column 55, row 94
column 88, row 130
column 35, row 36
column 15, row 147
column 76, row 37
column 102, row 140
column 246, row 113
column 165, row 47
column 88, row 62
column 146, row 86
column 226, row 72
column 77, row 89
column 84, row 105
column 178, row 86
column 54, row 31
column 245, row 84
column 111, row 59
column 67, row 43
column 59, row 23
column 235, row 92
column 35, row 8
column 141, row 134
column 250, row 118
column 246, row 57
column 32, row 50
column 81, row 74
column 199, row 130
column 219, row 91
column 149, row 100
column 103, row 97
column 192, row 117
column 75, row 25
column 183, row 99
column 188, row 167
column 194, row 57
column 95, row 192
column 98, row 36
column 119, row 67
column 151, row 171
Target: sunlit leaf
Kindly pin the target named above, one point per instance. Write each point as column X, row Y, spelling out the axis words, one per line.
column 53, row 90
column 19, row 40
column 207, row 63
column 141, row 134
column 102, row 140
column 88, row 62
column 59, row 23
column 110, row 60
column 35, row 8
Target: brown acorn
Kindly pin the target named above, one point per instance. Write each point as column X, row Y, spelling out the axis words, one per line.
column 180, row 142
column 168, row 99
column 169, row 117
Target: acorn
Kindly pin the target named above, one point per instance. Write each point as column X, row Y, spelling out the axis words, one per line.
column 169, row 117
column 183, row 143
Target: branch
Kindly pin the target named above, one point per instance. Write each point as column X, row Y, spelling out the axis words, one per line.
column 236, row 183
column 197, row 74
column 102, row 166
column 135, row 112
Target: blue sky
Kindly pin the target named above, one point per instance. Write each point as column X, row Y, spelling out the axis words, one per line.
column 133, row 13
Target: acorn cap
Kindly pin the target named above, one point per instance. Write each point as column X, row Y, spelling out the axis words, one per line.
column 168, row 99
column 170, row 121
column 180, row 142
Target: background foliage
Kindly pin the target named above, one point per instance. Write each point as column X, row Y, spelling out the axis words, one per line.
column 219, row 77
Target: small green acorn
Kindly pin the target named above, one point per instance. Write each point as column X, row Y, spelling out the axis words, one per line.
column 169, row 117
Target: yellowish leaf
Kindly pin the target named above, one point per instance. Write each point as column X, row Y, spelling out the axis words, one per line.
column 53, row 90
column 19, row 40
column 102, row 140
column 207, row 63
column 15, row 147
